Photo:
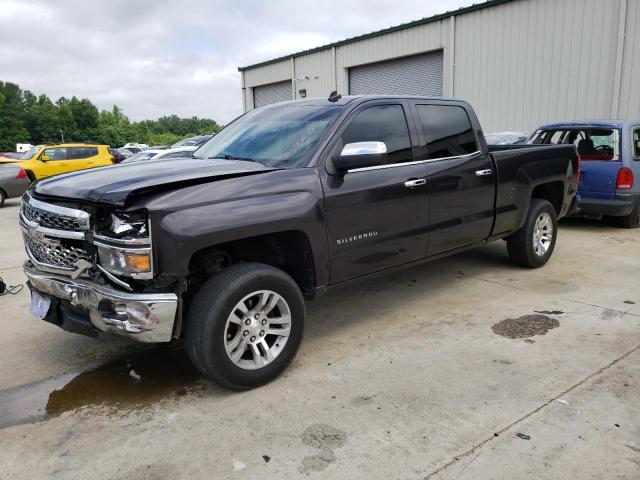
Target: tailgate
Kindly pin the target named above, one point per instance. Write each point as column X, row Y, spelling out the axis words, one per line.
column 598, row 178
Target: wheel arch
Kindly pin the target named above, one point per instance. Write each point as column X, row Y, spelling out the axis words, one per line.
column 553, row 192
column 289, row 251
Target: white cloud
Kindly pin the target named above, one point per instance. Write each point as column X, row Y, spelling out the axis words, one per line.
column 157, row 57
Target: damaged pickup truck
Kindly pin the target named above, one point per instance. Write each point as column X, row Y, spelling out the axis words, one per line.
column 222, row 249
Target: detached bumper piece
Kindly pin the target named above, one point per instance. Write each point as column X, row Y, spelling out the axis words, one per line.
column 85, row 307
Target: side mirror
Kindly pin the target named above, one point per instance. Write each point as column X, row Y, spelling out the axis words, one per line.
column 44, row 158
column 360, row 155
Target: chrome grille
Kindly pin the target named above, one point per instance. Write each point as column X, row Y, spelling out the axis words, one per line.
column 59, row 253
column 54, row 235
column 50, row 219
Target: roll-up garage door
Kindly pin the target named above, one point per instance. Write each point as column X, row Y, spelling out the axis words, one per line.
column 272, row 93
column 415, row 75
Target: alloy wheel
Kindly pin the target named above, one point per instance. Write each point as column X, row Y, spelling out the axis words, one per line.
column 257, row 329
column 542, row 234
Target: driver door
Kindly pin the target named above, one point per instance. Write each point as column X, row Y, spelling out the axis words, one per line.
column 52, row 161
column 377, row 215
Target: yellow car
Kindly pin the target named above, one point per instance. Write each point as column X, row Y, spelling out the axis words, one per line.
column 46, row 160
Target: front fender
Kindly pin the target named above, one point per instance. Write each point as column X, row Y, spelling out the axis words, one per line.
column 294, row 203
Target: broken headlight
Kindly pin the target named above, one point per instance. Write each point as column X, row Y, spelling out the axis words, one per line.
column 129, row 225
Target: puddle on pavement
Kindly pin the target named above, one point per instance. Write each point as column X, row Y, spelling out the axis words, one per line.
column 525, row 326
column 133, row 381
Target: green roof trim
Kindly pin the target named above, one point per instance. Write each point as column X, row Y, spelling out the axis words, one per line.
column 377, row 33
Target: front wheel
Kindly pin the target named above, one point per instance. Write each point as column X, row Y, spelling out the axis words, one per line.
column 533, row 244
column 245, row 325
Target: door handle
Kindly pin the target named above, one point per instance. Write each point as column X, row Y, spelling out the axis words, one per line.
column 482, row 173
column 415, row 182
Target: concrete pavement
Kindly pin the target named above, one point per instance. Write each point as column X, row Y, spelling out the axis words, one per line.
column 401, row 377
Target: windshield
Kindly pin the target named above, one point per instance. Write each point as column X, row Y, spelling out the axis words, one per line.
column 29, row 154
column 140, row 156
column 283, row 136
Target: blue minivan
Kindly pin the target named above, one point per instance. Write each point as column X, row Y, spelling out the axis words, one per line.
column 609, row 165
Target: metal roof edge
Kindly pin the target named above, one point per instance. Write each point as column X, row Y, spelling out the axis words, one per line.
column 384, row 31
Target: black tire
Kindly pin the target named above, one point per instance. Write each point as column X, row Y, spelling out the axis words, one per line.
column 207, row 320
column 3, row 197
column 630, row 221
column 521, row 244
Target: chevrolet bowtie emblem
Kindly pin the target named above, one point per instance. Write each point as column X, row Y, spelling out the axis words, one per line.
column 34, row 233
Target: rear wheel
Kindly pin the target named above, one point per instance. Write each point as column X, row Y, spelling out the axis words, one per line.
column 245, row 325
column 533, row 244
column 630, row 221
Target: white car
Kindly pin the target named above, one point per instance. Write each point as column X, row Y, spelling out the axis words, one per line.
column 181, row 152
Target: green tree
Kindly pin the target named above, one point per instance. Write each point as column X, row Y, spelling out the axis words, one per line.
column 25, row 117
column 42, row 120
column 12, row 117
column 85, row 116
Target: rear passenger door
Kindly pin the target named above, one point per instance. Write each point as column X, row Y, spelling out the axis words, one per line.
column 461, row 177
column 82, row 157
column 376, row 215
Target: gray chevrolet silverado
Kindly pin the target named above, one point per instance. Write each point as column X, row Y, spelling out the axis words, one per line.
column 222, row 249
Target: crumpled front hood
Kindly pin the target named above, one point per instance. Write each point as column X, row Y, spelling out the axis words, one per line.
column 114, row 184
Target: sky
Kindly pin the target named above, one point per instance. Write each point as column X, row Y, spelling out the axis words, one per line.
column 159, row 57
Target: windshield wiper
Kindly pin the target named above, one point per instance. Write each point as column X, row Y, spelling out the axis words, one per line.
column 226, row 156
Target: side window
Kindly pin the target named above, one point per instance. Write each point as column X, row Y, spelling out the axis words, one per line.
column 636, row 143
column 76, row 153
column 55, row 153
column 556, row 138
column 382, row 123
column 447, row 130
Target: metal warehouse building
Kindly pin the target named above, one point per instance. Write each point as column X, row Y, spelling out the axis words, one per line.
column 519, row 62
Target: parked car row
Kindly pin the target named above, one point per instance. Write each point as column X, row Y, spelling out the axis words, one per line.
column 158, row 154
column 19, row 170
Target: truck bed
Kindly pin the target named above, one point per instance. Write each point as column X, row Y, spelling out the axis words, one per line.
column 520, row 169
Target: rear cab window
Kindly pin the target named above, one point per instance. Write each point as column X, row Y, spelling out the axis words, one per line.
column 447, row 131
column 592, row 143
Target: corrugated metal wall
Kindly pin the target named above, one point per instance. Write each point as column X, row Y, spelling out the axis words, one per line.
column 520, row 63
column 534, row 61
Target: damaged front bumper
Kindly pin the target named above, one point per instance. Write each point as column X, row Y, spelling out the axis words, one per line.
column 85, row 307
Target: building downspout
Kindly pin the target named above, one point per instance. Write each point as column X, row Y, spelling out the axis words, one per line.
column 293, row 78
column 334, row 68
column 244, row 92
column 452, row 57
column 617, row 81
